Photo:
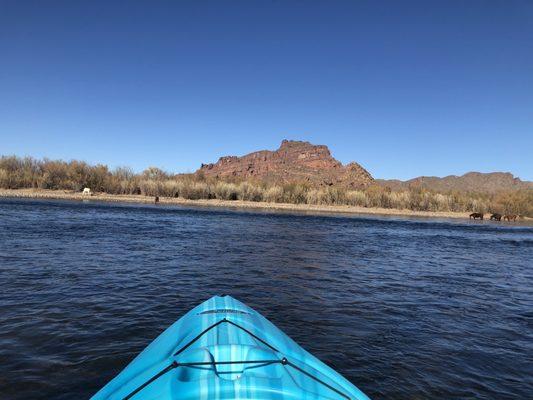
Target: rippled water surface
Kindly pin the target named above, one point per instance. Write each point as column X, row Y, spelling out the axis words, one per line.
column 406, row 309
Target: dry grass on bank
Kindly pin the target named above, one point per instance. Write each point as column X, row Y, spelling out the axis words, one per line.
column 28, row 173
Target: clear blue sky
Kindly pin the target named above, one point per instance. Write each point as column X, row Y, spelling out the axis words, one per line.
column 404, row 88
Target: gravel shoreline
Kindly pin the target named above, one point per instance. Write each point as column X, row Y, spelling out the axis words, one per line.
column 237, row 204
column 70, row 195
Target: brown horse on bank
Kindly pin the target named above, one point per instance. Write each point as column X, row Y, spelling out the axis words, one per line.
column 510, row 217
column 476, row 215
column 496, row 217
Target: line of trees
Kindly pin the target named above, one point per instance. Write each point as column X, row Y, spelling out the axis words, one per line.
column 19, row 173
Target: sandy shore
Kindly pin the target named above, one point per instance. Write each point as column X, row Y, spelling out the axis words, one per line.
column 70, row 195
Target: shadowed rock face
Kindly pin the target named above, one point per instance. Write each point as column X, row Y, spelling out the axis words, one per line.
column 294, row 161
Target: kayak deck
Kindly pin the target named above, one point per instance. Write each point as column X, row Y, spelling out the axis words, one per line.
column 223, row 349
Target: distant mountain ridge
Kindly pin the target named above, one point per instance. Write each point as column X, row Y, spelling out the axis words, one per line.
column 303, row 162
column 293, row 162
column 490, row 182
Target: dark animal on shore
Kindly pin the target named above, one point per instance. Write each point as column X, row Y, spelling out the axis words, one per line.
column 156, row 199
column 510, row 217
column 496, row 217
column 476, row 215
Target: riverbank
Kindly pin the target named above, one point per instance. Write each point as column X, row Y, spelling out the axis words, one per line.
column 70, row 195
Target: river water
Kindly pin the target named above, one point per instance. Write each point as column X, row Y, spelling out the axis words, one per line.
column 404, row 308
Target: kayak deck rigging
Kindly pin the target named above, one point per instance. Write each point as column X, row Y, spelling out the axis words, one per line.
column 176, row 364
column 225, row 350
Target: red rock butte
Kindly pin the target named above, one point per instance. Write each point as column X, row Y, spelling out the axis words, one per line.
column 293, row 162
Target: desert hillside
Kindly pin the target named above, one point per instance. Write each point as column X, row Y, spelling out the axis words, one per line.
column 470, row 182
column 293, row 162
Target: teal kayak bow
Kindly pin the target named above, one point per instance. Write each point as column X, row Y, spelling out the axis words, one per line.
column 223, row 349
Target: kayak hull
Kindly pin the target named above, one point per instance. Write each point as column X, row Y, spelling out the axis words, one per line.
column 223, row 349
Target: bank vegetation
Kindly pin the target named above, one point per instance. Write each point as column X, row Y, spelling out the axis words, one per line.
column 25, row 173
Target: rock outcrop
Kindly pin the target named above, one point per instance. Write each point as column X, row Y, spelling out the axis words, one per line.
column 293, row 162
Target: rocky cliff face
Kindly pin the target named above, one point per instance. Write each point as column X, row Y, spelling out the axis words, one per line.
column 294, row 161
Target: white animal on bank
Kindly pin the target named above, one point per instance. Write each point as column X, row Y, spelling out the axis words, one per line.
column 86, row 192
